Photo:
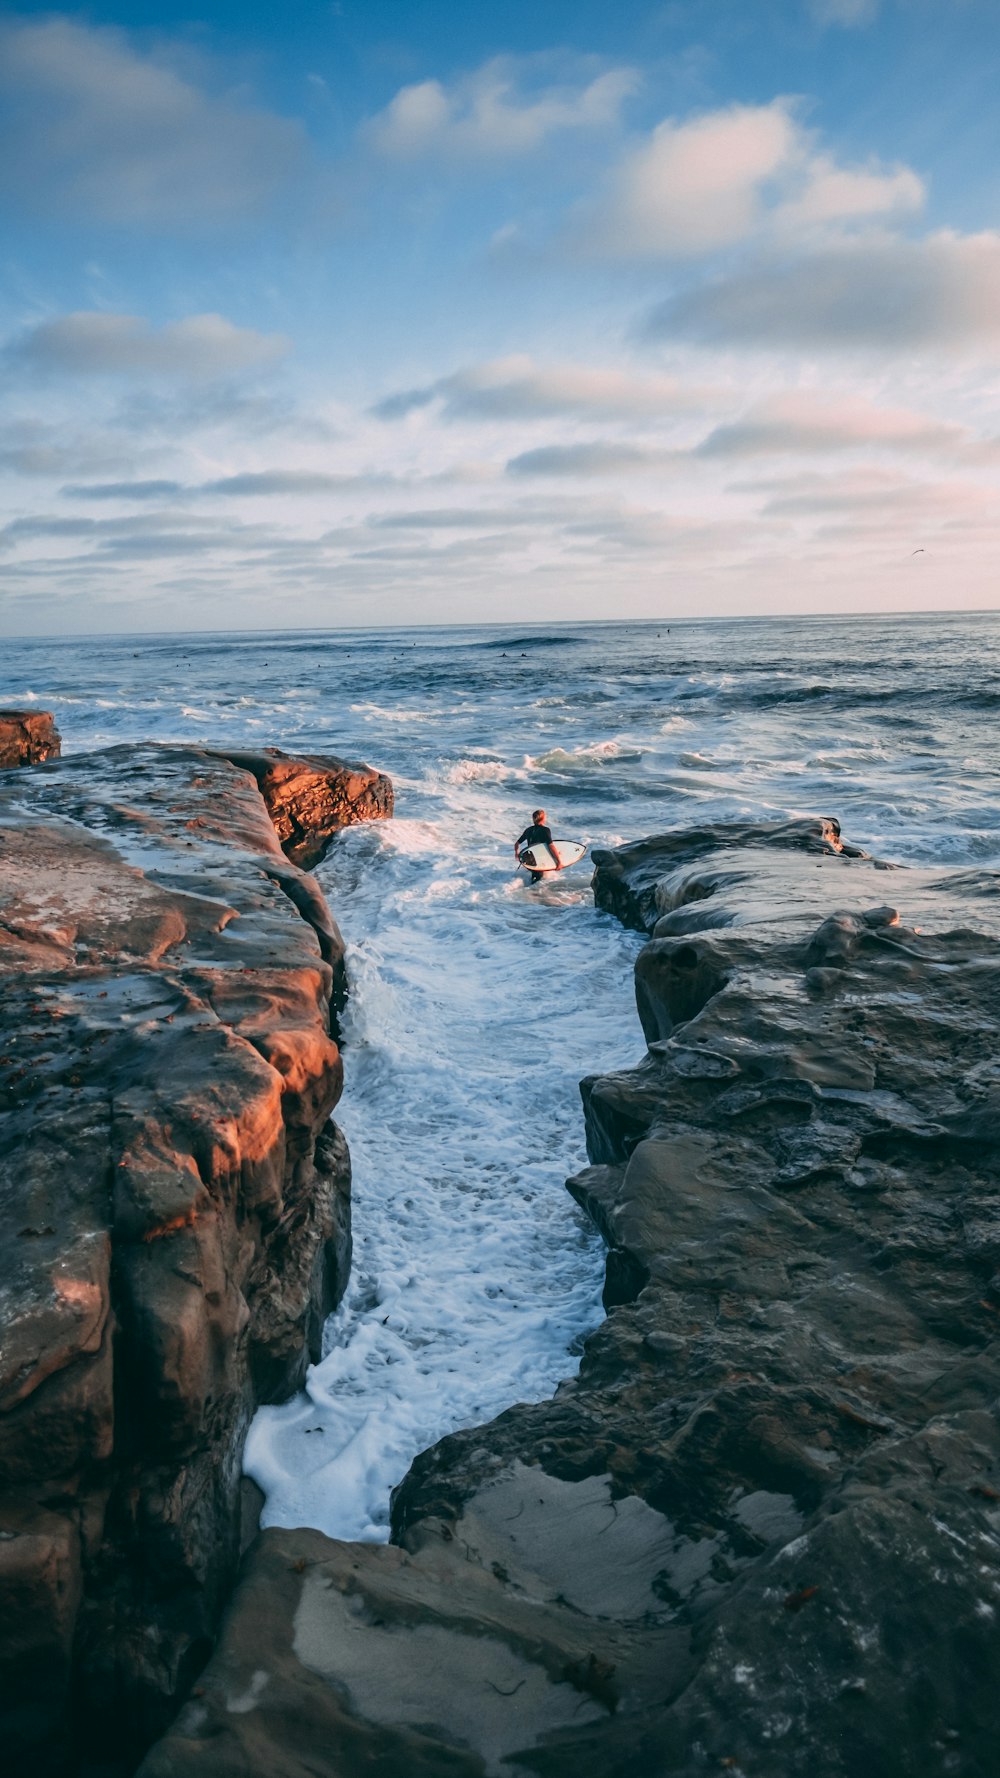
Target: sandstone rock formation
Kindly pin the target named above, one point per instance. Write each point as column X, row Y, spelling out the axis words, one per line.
column 310, row 799
column 760, row 1532
column 27, row 737
column 175, row 1219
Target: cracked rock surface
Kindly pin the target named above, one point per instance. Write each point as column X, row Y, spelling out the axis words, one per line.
column 760, row 1532
column 175, row 1212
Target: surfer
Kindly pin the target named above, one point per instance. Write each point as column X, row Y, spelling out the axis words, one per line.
column 538, row 834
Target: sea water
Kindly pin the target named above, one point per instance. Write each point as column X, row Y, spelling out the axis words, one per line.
column 477, row 1002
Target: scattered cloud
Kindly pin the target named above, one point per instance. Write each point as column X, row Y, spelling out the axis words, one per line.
column 494, row 112
column 517, row 388
column 844, row 12
column 692, row 188
column 876, row 499
column 880, row 292
column 91, row 343
column 807, row 422
column 90, row 127
column 161, row 535
column 267, row 482
column 475, row 518
column 149, row 490
column 261, row 484
column 599, row 457
column 37, row 448
column 834, row 194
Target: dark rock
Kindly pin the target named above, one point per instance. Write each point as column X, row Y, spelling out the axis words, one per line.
column 760, row 1531
column 27, row 737
column 668, row 872
column 175, row 1218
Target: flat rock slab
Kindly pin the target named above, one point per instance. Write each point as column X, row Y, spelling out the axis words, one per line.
column 462, row 1656
column 760, row 1532
column 174, row 1217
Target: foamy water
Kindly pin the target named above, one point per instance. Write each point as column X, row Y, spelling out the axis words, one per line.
column 476, row 1003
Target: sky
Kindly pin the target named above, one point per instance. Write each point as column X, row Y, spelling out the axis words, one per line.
column 390, row 312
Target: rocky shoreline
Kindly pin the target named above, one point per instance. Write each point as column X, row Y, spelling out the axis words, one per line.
column 175, row 1205
column 760, row 1532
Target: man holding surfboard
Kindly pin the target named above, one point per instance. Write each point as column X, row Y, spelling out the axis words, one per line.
column 540, row 853
column 535, row 835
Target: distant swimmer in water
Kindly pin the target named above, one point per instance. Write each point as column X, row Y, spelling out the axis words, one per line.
column 535, row 835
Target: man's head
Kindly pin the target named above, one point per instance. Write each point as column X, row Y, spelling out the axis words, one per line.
column 538, row 815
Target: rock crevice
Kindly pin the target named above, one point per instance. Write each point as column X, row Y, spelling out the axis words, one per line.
column 760, row 1531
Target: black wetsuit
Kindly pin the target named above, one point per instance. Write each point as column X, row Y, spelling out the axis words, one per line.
column 535, row 836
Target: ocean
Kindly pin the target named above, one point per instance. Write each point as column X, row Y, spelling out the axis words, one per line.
column 477, row 1003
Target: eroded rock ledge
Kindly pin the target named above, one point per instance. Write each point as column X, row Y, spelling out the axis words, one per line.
column 175, row 1217
column 310, row 799
column 760, row 1532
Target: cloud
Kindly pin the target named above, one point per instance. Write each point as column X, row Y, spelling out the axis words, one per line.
column 517, row 388
column 90, row 343
column 833, row 194
column 159, row 534
column 596, row 458
column 91, row 128
column 692, row 188
column 877, row 499
column 291, row 481
column 39, row 448
column 844, row 12
column 250, row 484
column 468, row 518
column 804, row 422
column 489, row 114
column 150, row 490
column 879, row 292
column 695, row 186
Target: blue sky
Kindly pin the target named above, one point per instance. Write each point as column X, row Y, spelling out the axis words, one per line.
column 331, row 313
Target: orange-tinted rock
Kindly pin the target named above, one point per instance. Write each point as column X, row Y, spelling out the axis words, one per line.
column 27, row 737
column 311, row 798
column 174, row 1217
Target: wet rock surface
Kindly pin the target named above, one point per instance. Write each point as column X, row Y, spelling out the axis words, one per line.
column 175, row 1212
column 27, row 737
column 760, row 1531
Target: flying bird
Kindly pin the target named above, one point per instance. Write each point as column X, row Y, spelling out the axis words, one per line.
column 918, row 552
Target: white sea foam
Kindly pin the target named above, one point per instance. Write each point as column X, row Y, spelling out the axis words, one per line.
column 700, row 762
column 593, row 755
column 477, row 771
column 378, row 713
column 474, row 1277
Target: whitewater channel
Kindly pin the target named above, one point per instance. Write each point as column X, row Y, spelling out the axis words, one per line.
column 476, row 1006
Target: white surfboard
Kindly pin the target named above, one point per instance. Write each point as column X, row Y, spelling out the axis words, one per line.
column 555, row 857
